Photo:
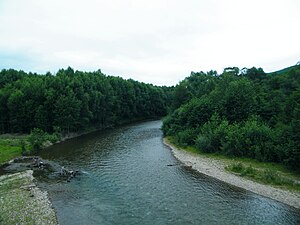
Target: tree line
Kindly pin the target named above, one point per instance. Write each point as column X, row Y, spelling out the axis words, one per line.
column 72, row 101
column 245, row 113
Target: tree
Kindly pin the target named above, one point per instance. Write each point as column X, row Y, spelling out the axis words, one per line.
column 16, row 110
column 67, row 111
column 239, row 101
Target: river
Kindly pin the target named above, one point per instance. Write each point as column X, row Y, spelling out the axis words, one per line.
column 126, row 180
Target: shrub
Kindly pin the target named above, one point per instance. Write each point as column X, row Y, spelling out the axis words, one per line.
column 167, row 125
column 23, row 147
column 55, row 136
column 211, row 134
column 186, row 137
column 293, row 159
column 270, row 176
column 242, row 170
column 259, row 140
column 203, row 143
column 249, row 171
column 37, row 138
column 236, row 167
column 233, row 141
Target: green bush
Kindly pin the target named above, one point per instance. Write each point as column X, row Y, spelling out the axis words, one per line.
column 37, row 138
column 237, row 167
column 186, row 137
column 259, row 139
column 203, row 143
column 167, row 125
column 172, row 124
column 23, row 147
column 211, row 134
column 249, row 171
column 55, row 136
column 242, row 170
column 259, row 117
column 271, row 176
column 233, row 141
column 293, row 160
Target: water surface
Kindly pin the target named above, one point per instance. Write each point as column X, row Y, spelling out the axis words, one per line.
column 126, row 180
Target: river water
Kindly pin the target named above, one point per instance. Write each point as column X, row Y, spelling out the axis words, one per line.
column 126, row 180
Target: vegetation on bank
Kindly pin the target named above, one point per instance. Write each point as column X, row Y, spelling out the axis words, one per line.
column 242, row 113
column 14, row 145
column 262, row 172
column 270, row 175
column 75, row 100
column 11, row 146
column 69, row 102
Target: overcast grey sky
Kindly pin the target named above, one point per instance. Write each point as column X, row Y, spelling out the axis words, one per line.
column 154, row 41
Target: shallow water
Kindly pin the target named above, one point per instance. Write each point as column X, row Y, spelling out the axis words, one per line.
column 126, row 180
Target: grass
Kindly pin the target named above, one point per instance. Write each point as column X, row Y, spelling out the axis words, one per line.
column 274, row 174
column 266, row 176
column 13, row 200
column 11, row 146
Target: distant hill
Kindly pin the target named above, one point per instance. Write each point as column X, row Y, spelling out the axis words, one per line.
column 285, row 70
column 249, row 114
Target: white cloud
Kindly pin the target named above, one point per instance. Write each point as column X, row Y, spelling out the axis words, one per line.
column 152, row 41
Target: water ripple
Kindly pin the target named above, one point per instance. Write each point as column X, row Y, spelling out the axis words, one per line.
column 127, row 181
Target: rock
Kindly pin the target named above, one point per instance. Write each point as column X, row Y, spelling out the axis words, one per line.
column 68, row 173
column 28, row 187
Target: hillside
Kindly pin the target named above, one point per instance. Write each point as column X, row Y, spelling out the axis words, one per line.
column 73, row 101
column 241, row 113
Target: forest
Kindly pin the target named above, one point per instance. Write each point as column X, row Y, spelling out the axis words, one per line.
column 243, row 113
column 240, row 112
column 72, row 101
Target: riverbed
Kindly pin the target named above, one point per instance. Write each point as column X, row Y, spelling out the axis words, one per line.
column 130, row 177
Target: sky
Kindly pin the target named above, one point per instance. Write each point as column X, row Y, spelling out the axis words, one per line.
column 153, row 41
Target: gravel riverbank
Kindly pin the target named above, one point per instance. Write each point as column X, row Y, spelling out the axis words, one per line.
column 216, row 168
column 22, row 202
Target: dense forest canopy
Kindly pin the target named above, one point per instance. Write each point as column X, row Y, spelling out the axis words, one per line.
column 74, row 100
column 245, row 113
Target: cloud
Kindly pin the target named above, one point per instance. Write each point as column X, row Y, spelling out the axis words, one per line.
column 152, row 41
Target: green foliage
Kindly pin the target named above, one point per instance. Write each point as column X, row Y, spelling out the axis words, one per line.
column 239, row 168
column 211, row 134
column 37, row 138
column 251, row 138
column 268, row 176
column 259, row 139
column 23, row 147
column 12, row 146
column 75, row 100
column 255, row 74
column 245, row 113
column 238, row 101
column 56, row 135
column 187, row 137
column 271, row 177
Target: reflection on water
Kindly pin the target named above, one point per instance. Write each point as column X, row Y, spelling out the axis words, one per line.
column 126, row 180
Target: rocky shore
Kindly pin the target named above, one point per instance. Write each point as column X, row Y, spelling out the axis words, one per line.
column 216, row 168
column 22, row 202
